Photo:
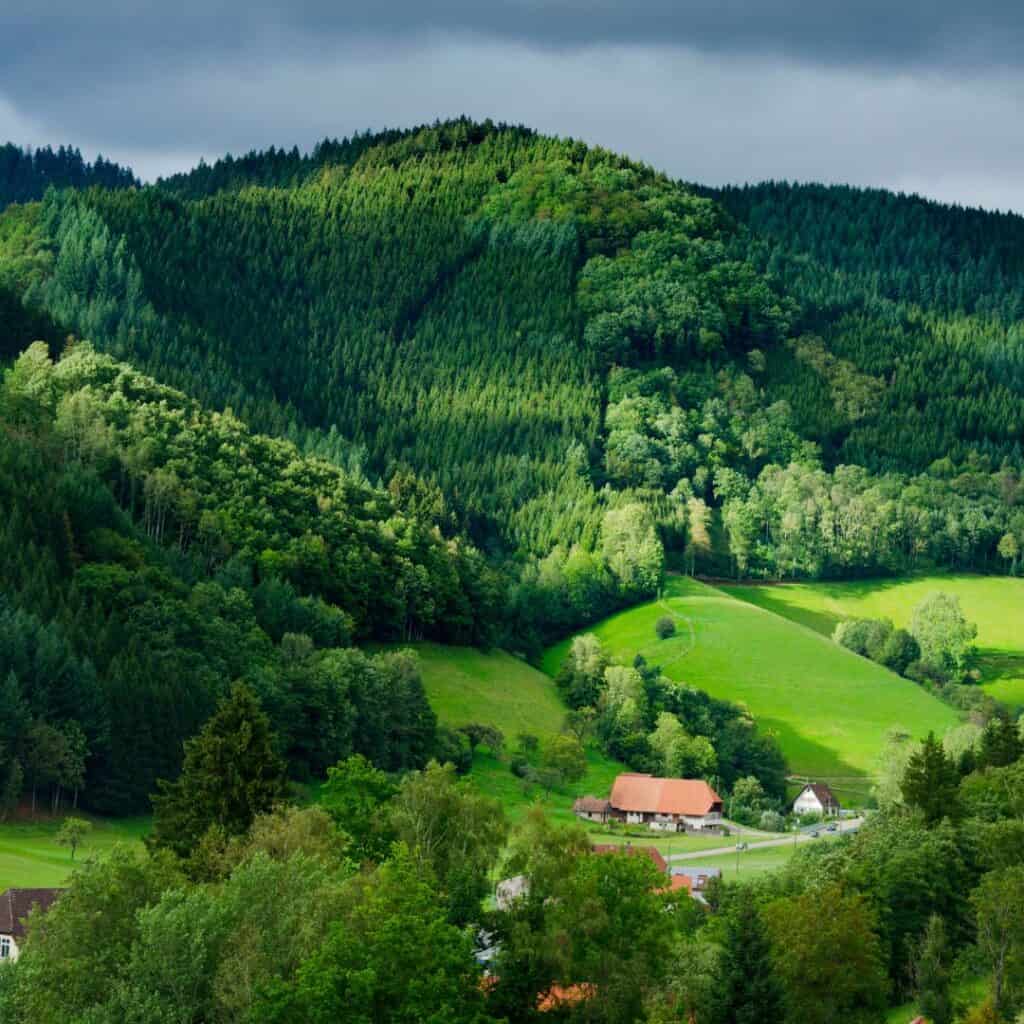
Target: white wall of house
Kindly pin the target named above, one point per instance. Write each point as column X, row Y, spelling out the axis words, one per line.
column 808, row 803
column 8, row 948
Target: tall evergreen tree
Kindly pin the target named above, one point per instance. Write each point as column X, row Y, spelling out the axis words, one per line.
column 750, row 990
column 231, row 773
column 930, row 782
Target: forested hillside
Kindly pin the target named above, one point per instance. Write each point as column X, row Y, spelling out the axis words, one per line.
column 25, row 175
column 153, row 553
column 599, row 369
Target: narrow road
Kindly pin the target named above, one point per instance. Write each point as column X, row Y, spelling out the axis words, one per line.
column 845, row 827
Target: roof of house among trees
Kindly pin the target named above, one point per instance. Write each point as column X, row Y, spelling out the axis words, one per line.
column 649, row 794
column 15, row 905
column 647, row 851
column 825, row 795
column 591, row 805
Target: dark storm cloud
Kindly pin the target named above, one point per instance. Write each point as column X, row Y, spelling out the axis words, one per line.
column 858, row 32
column 911, row 95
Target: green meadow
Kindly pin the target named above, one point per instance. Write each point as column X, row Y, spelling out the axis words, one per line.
column 30, row 858
column 995, row 603
column 829, row 709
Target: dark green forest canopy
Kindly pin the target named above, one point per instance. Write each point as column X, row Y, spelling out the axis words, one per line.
column 550, row 333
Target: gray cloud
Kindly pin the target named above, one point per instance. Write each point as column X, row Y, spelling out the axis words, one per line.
column 864, row 32
column 909, row 96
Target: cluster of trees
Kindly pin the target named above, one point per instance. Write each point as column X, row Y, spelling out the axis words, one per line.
column 656, row 725
column 937, row 646
column 26, row 174
column 372, row 905
column 828, row 381
column 926, row 299
column 152, row 554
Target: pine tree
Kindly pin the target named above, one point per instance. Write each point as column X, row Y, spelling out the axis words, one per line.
column 751, row 993
column 930, row 782
column 231, row 773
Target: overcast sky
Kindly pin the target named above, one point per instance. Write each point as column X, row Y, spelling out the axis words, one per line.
column 918, row 95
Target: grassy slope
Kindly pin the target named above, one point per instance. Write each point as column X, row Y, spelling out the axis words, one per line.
column 30, row 858
column 995, row 603
column 829, row 708
column 467, row 685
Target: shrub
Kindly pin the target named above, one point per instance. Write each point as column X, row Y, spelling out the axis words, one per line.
column 665, row 627
column 772, row 821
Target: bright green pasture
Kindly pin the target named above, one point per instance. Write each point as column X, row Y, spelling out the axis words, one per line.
column 995, row 603
column 467, row 685
column 829, row 708
column 29, row 857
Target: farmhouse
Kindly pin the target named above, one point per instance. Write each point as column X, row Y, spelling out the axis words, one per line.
column 590, row 808
column 668, row 805
column 15, row 905
column 816, row 798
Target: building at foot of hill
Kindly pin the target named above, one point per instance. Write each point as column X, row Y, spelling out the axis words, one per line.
column 816, row 798
column 666, row 805
column 15, row 906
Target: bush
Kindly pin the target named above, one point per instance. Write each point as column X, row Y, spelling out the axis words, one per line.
column 519, row 766
column 665, row 627
column 772, row 821
column 866, row 637
column 899, row 651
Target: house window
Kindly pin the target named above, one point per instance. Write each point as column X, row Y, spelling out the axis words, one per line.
column 5, row 948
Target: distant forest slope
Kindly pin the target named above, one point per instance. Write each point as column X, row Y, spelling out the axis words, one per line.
column 593, row 370
column 925, row 299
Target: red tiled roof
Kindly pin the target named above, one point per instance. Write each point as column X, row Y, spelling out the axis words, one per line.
column 556, row 997
column 651, row 795
column 648, row 851
column 15, row 905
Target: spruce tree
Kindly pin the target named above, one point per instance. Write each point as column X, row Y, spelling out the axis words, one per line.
column 751, row 993
column 231, row 773
column 930, row 782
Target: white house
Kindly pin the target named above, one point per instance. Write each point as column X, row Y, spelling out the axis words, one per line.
column 816, row 798
column 15, row 905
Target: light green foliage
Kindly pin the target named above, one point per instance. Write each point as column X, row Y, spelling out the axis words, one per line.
column 391, row 957
column 73, row 833
column 999, row 906
column 453, row 833
column 355, row 795
column 64, row 969
column 565, row 754
column 942, row 632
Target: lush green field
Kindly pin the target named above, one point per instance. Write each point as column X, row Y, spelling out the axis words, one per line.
column 30, row 858
column 829, row 708
column 995, row 603
column 467, row 685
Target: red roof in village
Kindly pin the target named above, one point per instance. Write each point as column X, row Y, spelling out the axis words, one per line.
column 15, row 905
column 651, row 795
column 647, row 851
column 556, row 997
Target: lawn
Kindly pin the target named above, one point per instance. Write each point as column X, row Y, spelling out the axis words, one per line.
column 29, row 857
column 995, row 603
column 465, row 685
column 829, row 708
